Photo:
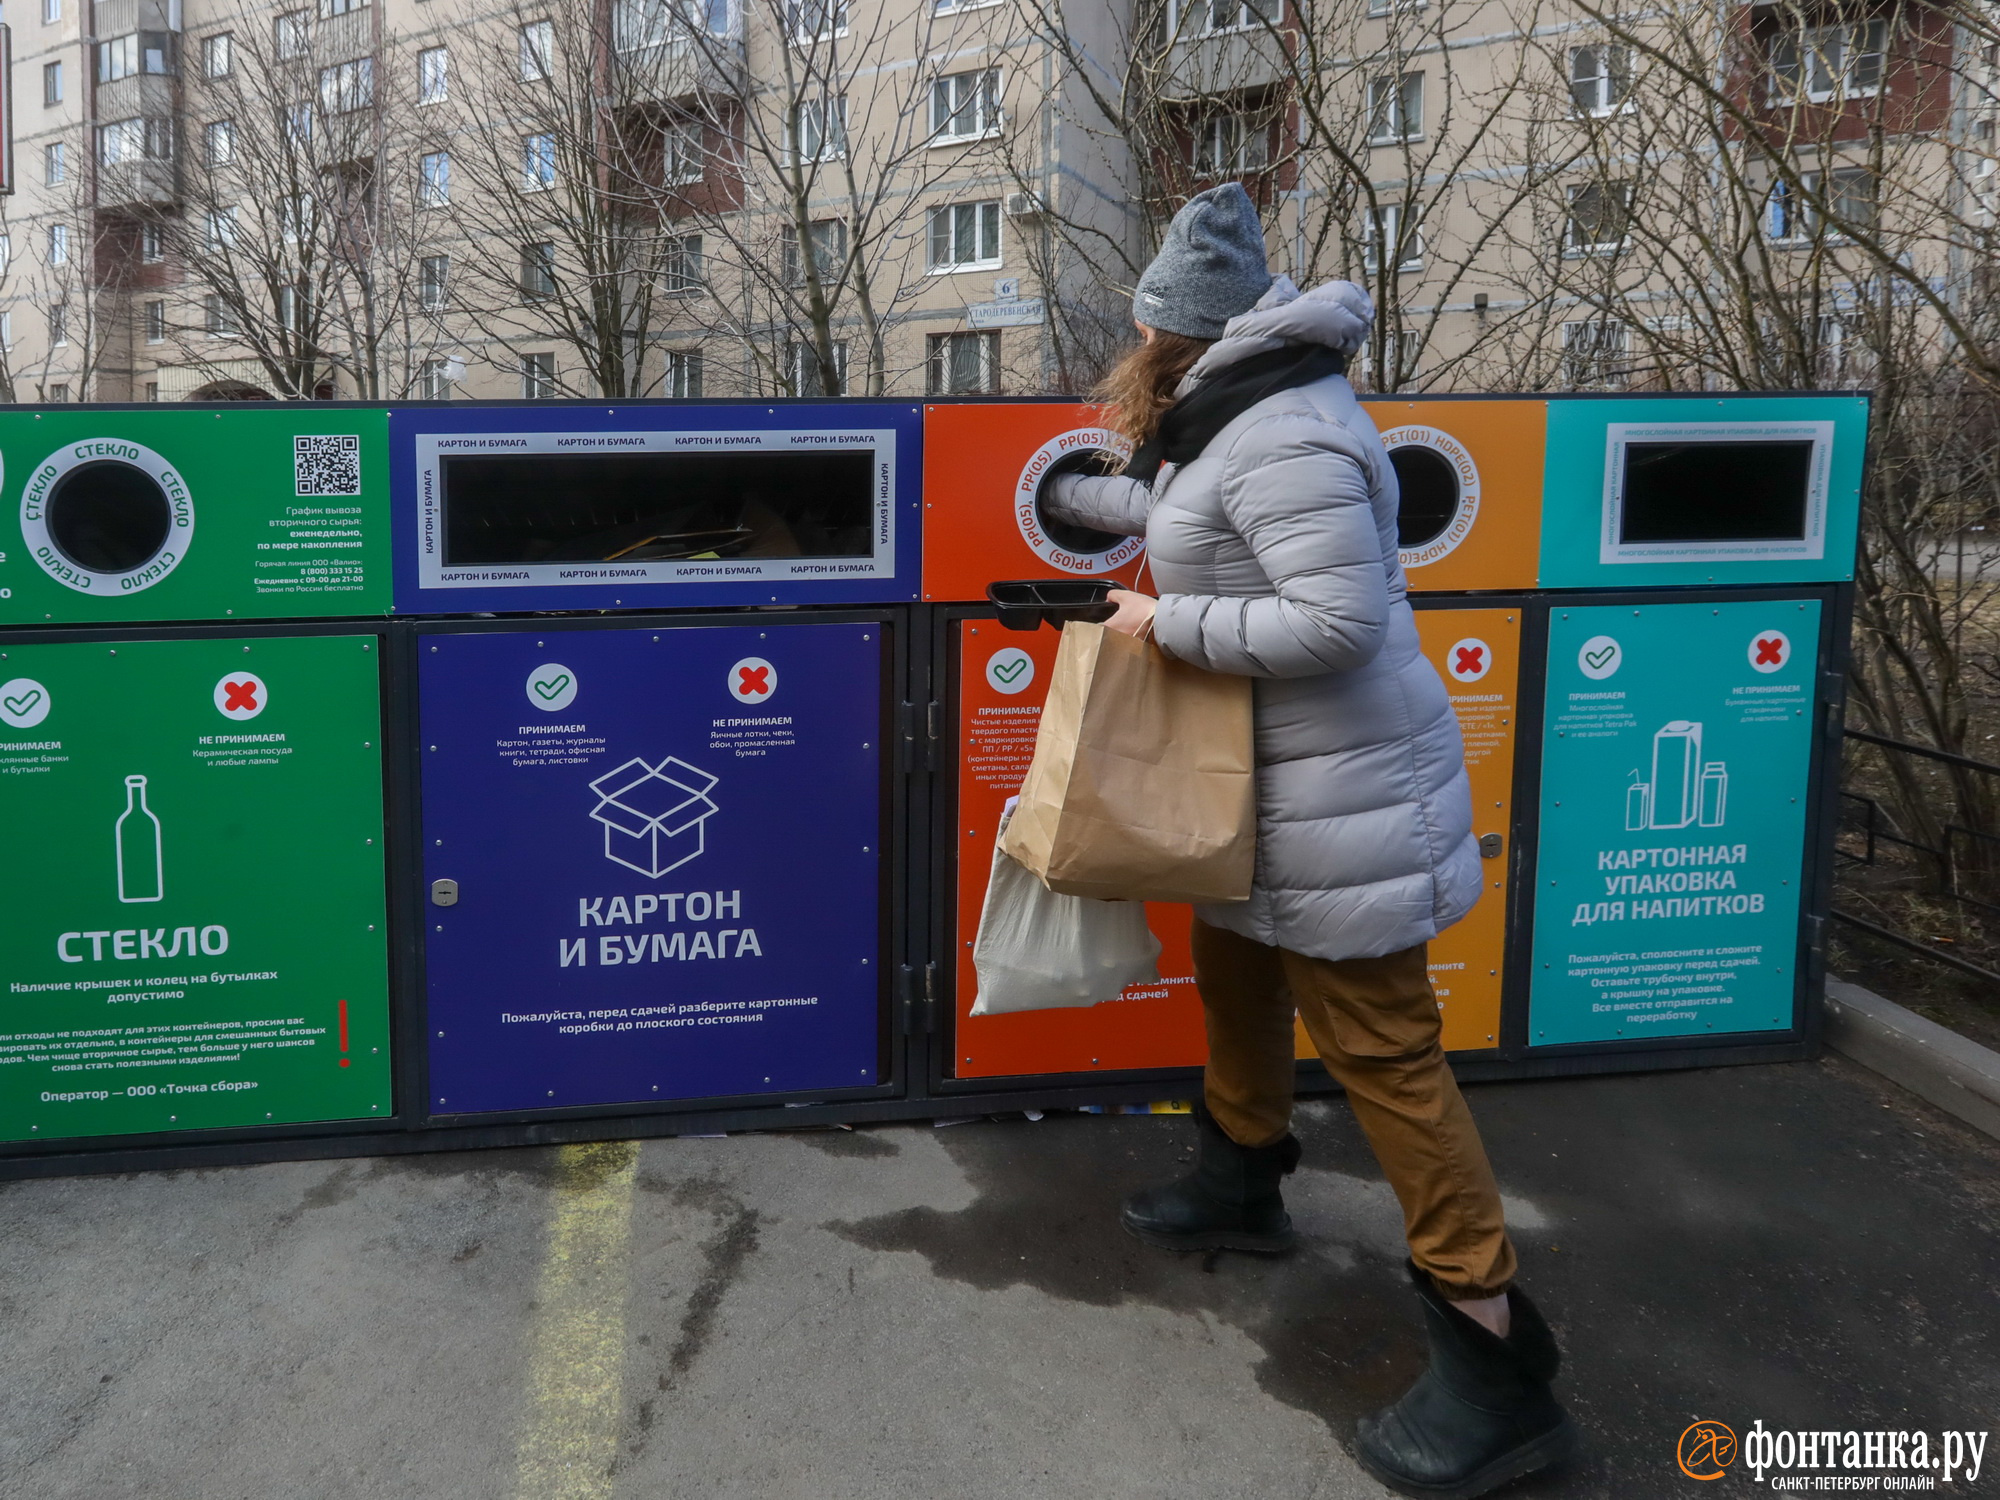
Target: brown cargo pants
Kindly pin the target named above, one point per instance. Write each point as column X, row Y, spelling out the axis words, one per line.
column 1375, row 1024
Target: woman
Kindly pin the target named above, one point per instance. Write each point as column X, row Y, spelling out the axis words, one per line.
column 1269, row 508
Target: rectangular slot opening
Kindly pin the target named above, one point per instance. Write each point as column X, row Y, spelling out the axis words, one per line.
column 515, row 508
column 1750, row 491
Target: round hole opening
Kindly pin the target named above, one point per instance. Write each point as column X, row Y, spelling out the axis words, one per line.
column 1429, row 490
column 1084, row 541
column 108, row 517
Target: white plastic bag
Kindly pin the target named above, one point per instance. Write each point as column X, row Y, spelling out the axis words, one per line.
column 1040, row 951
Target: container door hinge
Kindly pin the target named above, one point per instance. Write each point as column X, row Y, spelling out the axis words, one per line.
column 918, row 998
column 933, row 732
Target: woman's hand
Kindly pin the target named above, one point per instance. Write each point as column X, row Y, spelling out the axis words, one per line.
column 1135, row 612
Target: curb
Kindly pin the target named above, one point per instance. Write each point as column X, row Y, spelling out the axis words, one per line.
column 1959, row 1076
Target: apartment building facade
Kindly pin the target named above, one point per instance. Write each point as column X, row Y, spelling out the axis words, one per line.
column 449, row 198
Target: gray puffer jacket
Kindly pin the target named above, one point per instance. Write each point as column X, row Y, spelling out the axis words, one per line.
column 1274, row 553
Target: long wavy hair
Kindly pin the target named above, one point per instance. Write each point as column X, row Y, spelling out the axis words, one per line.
column 1140, row 387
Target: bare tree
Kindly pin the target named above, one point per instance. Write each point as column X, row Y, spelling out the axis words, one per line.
column 292, row 230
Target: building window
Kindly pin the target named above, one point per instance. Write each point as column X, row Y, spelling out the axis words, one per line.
column 296, row 219
column 118, row 58
column 156, row 322
column 1600, row 79
column 292, row 35
column 158, row 138
column 1230, row 146
column 682, row 160
column 434, row 282
column 807, row 376
column 346, row 87
column 1599, row 218
column 818, row 130
column 299, row 124
column 219, row 228
column 218, row 55
column 1849, row 197
column 434, row 179
column 965, row 364
column 1393, row 234
column 59, row 244
column 120, row 141
column 1206, row 17
column 538, row 271
column 217, row 317
column 6, row 331
column 1395, row 108
column 1819, row 63
column 330, row 8
column 684, row 374
column 59, row 324
column 434, row 382
column 52, row 83
column 51, row 12
column 1593, row 353
column 433, row 75
column 682, row 269
column 538, row 377
column 55, row 164
column 537, row 51
column 59, row 392
column 6, row 252
column 152, row 244
column 638, row 25
column 218, row 143
column 152, row 390
column 829, row 252
column 966, row 106
column 965, row 236
column 816, row 20
column 1388, row 7
column 538, row 162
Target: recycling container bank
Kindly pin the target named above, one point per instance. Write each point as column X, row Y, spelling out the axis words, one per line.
column 659, row 846
column 192, row 814
column 1639, row 608
column 454, row 774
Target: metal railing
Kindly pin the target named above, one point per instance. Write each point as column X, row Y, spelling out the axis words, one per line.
column 1962, row 850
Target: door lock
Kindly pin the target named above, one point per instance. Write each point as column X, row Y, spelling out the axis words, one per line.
column 444, row 893
column 1490, row 845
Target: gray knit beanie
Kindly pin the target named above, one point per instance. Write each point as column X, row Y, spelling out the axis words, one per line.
column 1210, row 268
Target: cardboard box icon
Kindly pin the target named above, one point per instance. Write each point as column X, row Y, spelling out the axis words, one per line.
column 653, row 816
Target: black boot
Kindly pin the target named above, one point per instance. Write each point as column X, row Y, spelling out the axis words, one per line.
column 1229, row 1202
column 1480, row 1415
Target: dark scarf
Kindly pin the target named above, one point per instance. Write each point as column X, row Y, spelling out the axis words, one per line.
column 1197, row 417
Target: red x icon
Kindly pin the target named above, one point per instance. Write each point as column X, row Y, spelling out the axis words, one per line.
column 1468, row 660
column 1770, row 653
column 752, row 680
column 240, row 696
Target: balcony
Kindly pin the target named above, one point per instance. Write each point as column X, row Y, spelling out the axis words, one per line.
column 678, row 69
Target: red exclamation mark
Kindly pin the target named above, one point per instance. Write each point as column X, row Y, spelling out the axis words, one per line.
column 343, row 1033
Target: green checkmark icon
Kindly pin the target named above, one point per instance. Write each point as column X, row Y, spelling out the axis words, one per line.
column 551, row 690
column 1599, row 658
column 20, row 706
column 1012, row 670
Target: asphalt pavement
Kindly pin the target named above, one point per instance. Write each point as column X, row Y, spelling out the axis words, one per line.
column 910, row 1311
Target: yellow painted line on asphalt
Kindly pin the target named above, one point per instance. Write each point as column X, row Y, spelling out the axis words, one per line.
column 576, row 1358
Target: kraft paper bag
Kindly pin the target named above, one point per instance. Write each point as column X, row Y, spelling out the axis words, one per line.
column 1143, row 782
column 1040, row 951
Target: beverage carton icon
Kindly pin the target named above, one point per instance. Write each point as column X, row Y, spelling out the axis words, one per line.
column 653, row 815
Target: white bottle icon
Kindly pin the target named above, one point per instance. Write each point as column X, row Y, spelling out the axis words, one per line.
column 141, row 868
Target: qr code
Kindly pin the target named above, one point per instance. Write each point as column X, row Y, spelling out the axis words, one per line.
column 327, row 465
